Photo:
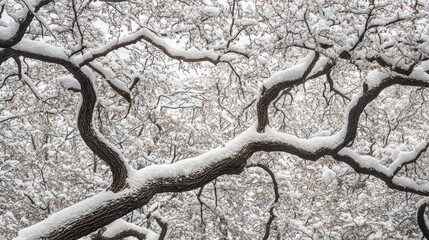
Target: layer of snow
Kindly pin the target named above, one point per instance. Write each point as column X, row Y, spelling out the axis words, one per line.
column 64, row 216
column 321, row 63
column 211, row 11
column 420, row 74
column 374, row 78
column 41, row 48
column 146, row 34
column 107, row 72
column 8, row 32
column 404, row 157
column 373, row 163
column 328, row 175
column 121, row 225
column 69, row 82
column 248, row 22
column 364, row 161
column 119, row 84
column 293, row 73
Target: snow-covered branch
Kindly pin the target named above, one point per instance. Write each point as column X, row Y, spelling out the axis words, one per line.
column 121, row 229
column 276, row 198
column 139, row 187
column 95, row 141
column 423, row 220
column 13, row 34
column 188, row 55
column 372, row 166
column 280, row 81
column 345, row 45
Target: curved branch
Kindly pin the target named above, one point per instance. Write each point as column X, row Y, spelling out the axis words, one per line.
column 279, row 81
column 276, row 199
column 190, row 55
column 102, row 209
column 422, row 221
column 164, row 228
column 94, row 140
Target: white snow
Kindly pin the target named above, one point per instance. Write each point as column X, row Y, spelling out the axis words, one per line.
column 69, row 82
column 146, row 34
column 328, row 175
column 364, row 161
column 420, row 74
column 248, row 22
column 119, row 84
column 408, row 183
column 8, row 32
column 293, row 73
column 107, row 72
column 211, row 11
column 404, row 157
column 374, row 78
column 41, row 48
column 121, row 225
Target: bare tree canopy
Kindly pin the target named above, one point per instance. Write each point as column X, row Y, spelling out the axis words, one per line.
column 214, row 119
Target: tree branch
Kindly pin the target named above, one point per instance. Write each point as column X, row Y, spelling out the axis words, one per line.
column 94, row 140
column 276, row 198
column 19, row 32
column 422, row 220
column 190, row 55
column 279, row 81
column 102, row 209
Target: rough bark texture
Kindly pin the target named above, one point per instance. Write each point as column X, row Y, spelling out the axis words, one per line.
column 92, row 140
column 110, row 210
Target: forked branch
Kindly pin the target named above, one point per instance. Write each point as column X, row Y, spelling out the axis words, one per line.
column 276, row 198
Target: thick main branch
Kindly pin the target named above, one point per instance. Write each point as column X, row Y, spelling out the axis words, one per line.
column 189, row 174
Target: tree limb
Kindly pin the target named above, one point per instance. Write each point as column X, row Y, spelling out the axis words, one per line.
column 23, row 25
column 422, row 220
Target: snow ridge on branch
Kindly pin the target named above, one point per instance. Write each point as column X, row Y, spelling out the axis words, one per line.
column 133, row 189
column 232, row 158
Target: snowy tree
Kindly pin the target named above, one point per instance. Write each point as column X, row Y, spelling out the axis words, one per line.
column 214, row 119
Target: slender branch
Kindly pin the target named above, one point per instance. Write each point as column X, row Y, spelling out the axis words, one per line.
column 201, row 205
column 164, row 228
column 276, row 198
